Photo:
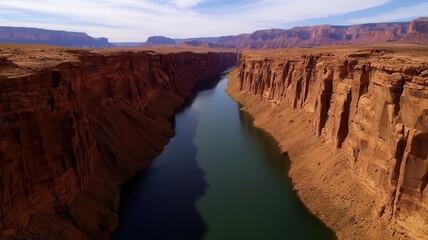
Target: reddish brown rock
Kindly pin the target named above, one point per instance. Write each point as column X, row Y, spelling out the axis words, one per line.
column 71, row 133
column 321, row 35
column 369, row 107
column 418, row 32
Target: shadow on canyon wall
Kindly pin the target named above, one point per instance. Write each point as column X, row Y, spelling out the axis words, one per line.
column 166, row 193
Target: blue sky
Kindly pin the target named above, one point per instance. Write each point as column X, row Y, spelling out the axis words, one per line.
column 135, row 20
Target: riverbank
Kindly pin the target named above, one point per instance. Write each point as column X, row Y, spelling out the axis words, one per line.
column 281, row 91
column 326, row 186
column 218, row 178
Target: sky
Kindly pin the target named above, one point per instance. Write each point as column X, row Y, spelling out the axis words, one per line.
column 135, row 20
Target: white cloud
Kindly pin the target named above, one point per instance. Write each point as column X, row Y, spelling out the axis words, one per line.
column 409, row 12
column 135, row 20
column 185, row 3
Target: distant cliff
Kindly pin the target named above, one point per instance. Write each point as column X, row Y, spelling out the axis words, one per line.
column 418, row 32
column 50, row 37
column 72, row 131
column 159, row 40
column 322, row 35
column 344, row 114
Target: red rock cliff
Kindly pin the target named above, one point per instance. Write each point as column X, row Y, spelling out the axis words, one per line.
column 368, row 106
column 418, row 32
column 71, row 133
column 322, row 35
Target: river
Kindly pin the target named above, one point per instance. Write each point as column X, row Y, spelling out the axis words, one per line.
column 219, row 178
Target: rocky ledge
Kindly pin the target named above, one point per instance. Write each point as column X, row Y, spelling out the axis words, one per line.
column 355, row 124
column 76, row 124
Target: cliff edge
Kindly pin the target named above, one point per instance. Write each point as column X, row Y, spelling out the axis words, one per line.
column 414, row 32
column 354, row 122
column 76, row 124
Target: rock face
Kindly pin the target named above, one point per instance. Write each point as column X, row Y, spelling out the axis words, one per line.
column 159, row 40
column 50, row 37
column 369, row 106
column 312, row 36
column 418, row 32
column 70, row 134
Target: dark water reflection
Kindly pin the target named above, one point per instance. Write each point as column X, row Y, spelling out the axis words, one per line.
column 160, row 203
column 218, row 178
column 279, row 162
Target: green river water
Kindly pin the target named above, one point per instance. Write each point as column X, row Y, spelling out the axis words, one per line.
column 219, row 178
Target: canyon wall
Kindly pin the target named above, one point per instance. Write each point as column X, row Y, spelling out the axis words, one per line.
column 414, row 32
column 71, row 133
column 368, row 107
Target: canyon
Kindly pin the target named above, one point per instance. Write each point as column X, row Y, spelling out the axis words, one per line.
column 414, row 32
column 75, row 124
column 354, row 122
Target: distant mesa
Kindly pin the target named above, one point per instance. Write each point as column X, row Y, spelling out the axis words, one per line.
column 419, row 25
column 23, row 35
column 418, row 32
column 415, row 32
column 159, row 40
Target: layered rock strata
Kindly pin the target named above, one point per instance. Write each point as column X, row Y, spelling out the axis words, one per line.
column 24, row 35
column 414, row 32
column 355, row 124
column 72, row 132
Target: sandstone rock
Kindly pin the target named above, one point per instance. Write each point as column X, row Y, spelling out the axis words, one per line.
column 72, row 132
column 418, row 32
column 371, row 106
column 419, row 25
column 321, row 35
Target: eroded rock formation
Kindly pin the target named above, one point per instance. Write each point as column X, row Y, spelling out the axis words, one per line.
column 321, row 35
column 159, row 40
column 418, row 32
column 71, row 133
column 50, row 37
column 368, row 106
